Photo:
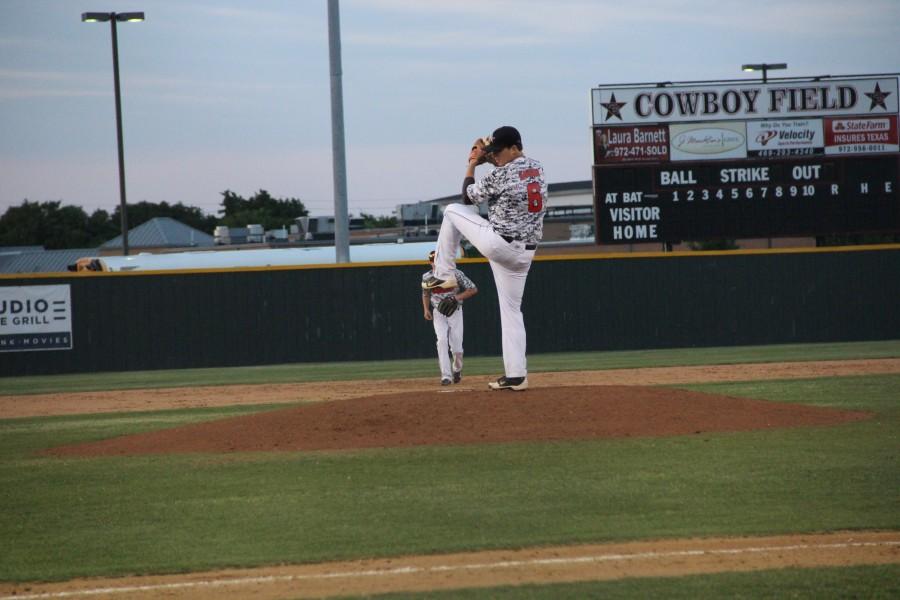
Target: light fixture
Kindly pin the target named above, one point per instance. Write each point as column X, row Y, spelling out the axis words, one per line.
column 764, row 67
column 95, row 17
column 103, row 17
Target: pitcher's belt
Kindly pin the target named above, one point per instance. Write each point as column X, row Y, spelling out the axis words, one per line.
column 511, row 239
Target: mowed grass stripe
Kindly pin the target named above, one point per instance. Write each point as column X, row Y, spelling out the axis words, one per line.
column 475, row 365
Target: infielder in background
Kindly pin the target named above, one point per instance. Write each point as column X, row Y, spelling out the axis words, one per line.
column 516, row 196
column 443, row 306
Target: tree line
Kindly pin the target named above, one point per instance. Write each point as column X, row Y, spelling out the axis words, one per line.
column 54, row 226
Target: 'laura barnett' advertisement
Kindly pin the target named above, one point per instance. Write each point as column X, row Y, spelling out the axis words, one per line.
column 35, row 317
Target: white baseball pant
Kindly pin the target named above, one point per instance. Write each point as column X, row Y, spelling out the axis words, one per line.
column 509, row 261
column 449, row 332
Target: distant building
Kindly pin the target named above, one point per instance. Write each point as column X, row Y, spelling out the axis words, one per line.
column 161, row 233
column 225, row 235
column 35, row 259
column 322, row 228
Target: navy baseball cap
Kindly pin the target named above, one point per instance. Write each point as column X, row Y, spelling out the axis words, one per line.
column 504, row 137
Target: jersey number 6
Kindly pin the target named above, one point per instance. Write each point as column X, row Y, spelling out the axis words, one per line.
column 535, row 198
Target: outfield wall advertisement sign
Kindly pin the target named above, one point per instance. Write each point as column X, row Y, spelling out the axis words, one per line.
column 707, row 160
column 35, row 317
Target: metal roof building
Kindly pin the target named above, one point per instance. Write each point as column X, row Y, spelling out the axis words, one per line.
column 37, row 260
column 162, row 232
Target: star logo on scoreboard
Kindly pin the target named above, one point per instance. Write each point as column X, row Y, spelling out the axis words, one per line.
column 877, row 97
column 613, row 108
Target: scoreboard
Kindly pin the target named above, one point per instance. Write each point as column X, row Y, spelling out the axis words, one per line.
column 739, row 160
column 746, row 199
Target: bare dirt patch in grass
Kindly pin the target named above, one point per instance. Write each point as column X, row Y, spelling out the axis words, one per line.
column 459, row 416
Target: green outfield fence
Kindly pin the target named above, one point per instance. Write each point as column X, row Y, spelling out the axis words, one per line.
column 140, row 321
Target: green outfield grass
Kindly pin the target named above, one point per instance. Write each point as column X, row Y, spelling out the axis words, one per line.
column 475, row 365
column 113, row 516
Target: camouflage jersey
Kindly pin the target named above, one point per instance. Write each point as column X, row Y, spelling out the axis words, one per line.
column 438, row 294
column 516, row 196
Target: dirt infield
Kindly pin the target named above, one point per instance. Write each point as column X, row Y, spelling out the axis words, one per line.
column 577, row 405
column 459, row 417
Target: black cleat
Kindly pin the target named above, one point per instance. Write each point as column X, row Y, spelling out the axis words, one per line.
column 445, row 382
column 457, row 376
column 510, row 383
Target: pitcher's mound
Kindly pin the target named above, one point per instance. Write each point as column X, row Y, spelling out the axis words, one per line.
column 463, row 416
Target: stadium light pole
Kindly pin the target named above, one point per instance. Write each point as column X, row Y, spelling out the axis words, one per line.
column 113, row 18
column 338, row 157
column 764, row 67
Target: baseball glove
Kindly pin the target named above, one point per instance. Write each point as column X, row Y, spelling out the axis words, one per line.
column 480, row 143
column 448, row 306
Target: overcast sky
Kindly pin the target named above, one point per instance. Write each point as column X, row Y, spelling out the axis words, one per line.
column 235, row 95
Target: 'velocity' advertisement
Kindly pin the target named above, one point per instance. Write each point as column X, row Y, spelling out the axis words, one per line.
column 785, row 138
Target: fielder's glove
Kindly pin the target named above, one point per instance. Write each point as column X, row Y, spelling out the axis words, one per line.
column 448, row 306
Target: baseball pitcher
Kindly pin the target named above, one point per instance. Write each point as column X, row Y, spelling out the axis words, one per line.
column 516, row 196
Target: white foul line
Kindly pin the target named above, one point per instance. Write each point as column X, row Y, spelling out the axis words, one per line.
column 443, row 568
